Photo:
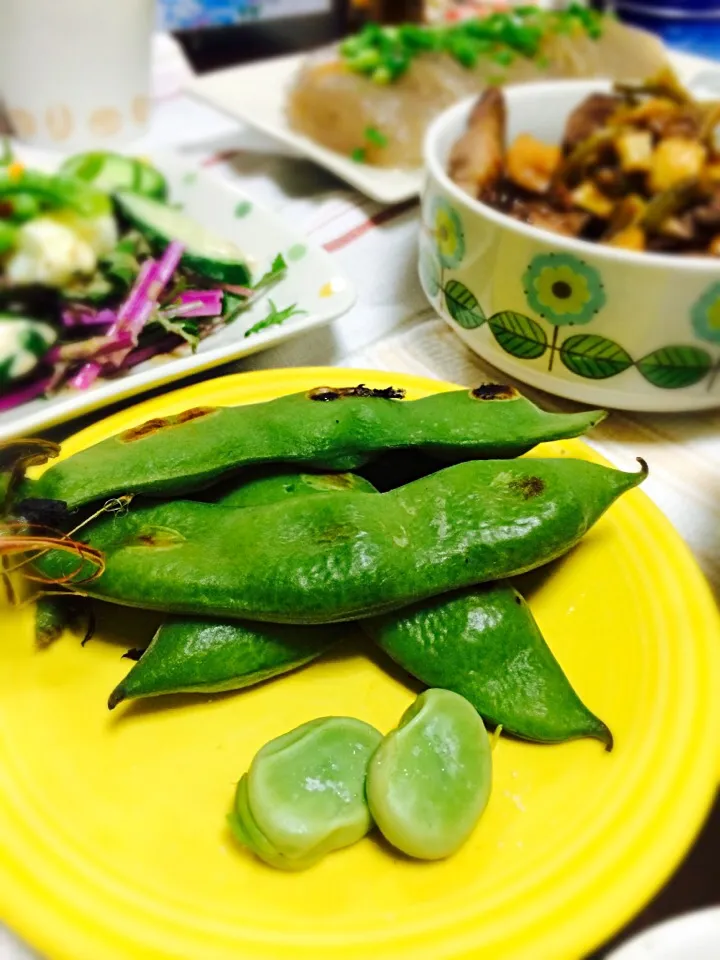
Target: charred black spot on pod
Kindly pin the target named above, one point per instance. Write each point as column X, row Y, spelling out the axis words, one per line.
column 195, row 413
column 162, row 423
column 384, row 393
column 518, row 600
column 324, row 393
column 528, row 487
column 144, row 430
column 156, row 537
column 336, row 533
column 494, row 391
column 42, row 512
column 333, row 481
column 336, row 393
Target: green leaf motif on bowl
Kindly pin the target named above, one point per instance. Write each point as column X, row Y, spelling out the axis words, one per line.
column 594, row 357
column 563, row 289
column 674, row 367
column 518, row 335
column 463, row 305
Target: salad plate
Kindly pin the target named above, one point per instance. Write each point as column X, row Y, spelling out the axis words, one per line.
column 310, row 292
column 112, row 835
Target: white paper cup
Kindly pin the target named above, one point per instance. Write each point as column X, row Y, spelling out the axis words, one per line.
column 75, row 74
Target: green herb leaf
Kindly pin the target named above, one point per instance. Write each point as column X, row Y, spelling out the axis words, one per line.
column 275, row 318
column 358, row 155
column 186, row 327
column 275, row 273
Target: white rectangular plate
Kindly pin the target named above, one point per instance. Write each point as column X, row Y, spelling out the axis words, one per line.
column 257, row 94
column 313, row 282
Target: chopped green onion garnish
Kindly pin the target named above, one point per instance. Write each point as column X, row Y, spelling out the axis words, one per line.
column 358, row 155
column 375, row 137
column 382, row 76
column 385, row 53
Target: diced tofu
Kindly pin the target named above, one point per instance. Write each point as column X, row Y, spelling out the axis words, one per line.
column 49, row 253
column 100, row 233
column 531, row 164
column 674, row 160
column 588, row 197
column 635, row 149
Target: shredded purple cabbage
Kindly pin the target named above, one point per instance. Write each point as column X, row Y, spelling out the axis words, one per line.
column 86, row 375
column 196, row 303
column 80, row 315
column 25, row 393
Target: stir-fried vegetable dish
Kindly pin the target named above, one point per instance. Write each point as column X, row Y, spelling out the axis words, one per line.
column 637, row 168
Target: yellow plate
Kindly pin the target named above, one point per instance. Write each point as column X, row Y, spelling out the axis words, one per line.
column 112, row 836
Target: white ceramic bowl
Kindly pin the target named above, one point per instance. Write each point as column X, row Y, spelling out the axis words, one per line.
column 692, row 936
column 609, row 327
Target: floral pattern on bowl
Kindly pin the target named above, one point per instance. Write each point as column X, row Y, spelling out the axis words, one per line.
column 647, row 326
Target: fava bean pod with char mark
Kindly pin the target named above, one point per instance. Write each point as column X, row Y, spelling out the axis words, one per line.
column 328, row 558
column 326, row 428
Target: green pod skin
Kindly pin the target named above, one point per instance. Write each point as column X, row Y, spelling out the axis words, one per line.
column 334, row 429
column 429, row 780
column 54, row 615
column 194, row 655
column 484, row 644
column 189, row 655
column 266, row 485
column 330, row 558
column 304, row 794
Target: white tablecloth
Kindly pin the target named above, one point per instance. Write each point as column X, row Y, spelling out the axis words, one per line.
column 392, row 328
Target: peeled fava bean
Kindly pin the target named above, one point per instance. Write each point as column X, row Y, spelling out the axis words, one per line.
column 429, row 781
column 304, row 794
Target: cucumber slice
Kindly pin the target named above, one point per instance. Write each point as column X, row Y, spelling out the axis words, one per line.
column 8, row 236
column 111, row 172
column 23, row 344
column 205, row 252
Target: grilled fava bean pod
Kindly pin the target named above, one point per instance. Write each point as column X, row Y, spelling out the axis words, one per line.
column 484, row 644
column 265, row 485
column 328, row 558
column 192, row 654
column 189, row 655
column 323, row 429
column 52, row 616
column 429, row 781
column 304, row 794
